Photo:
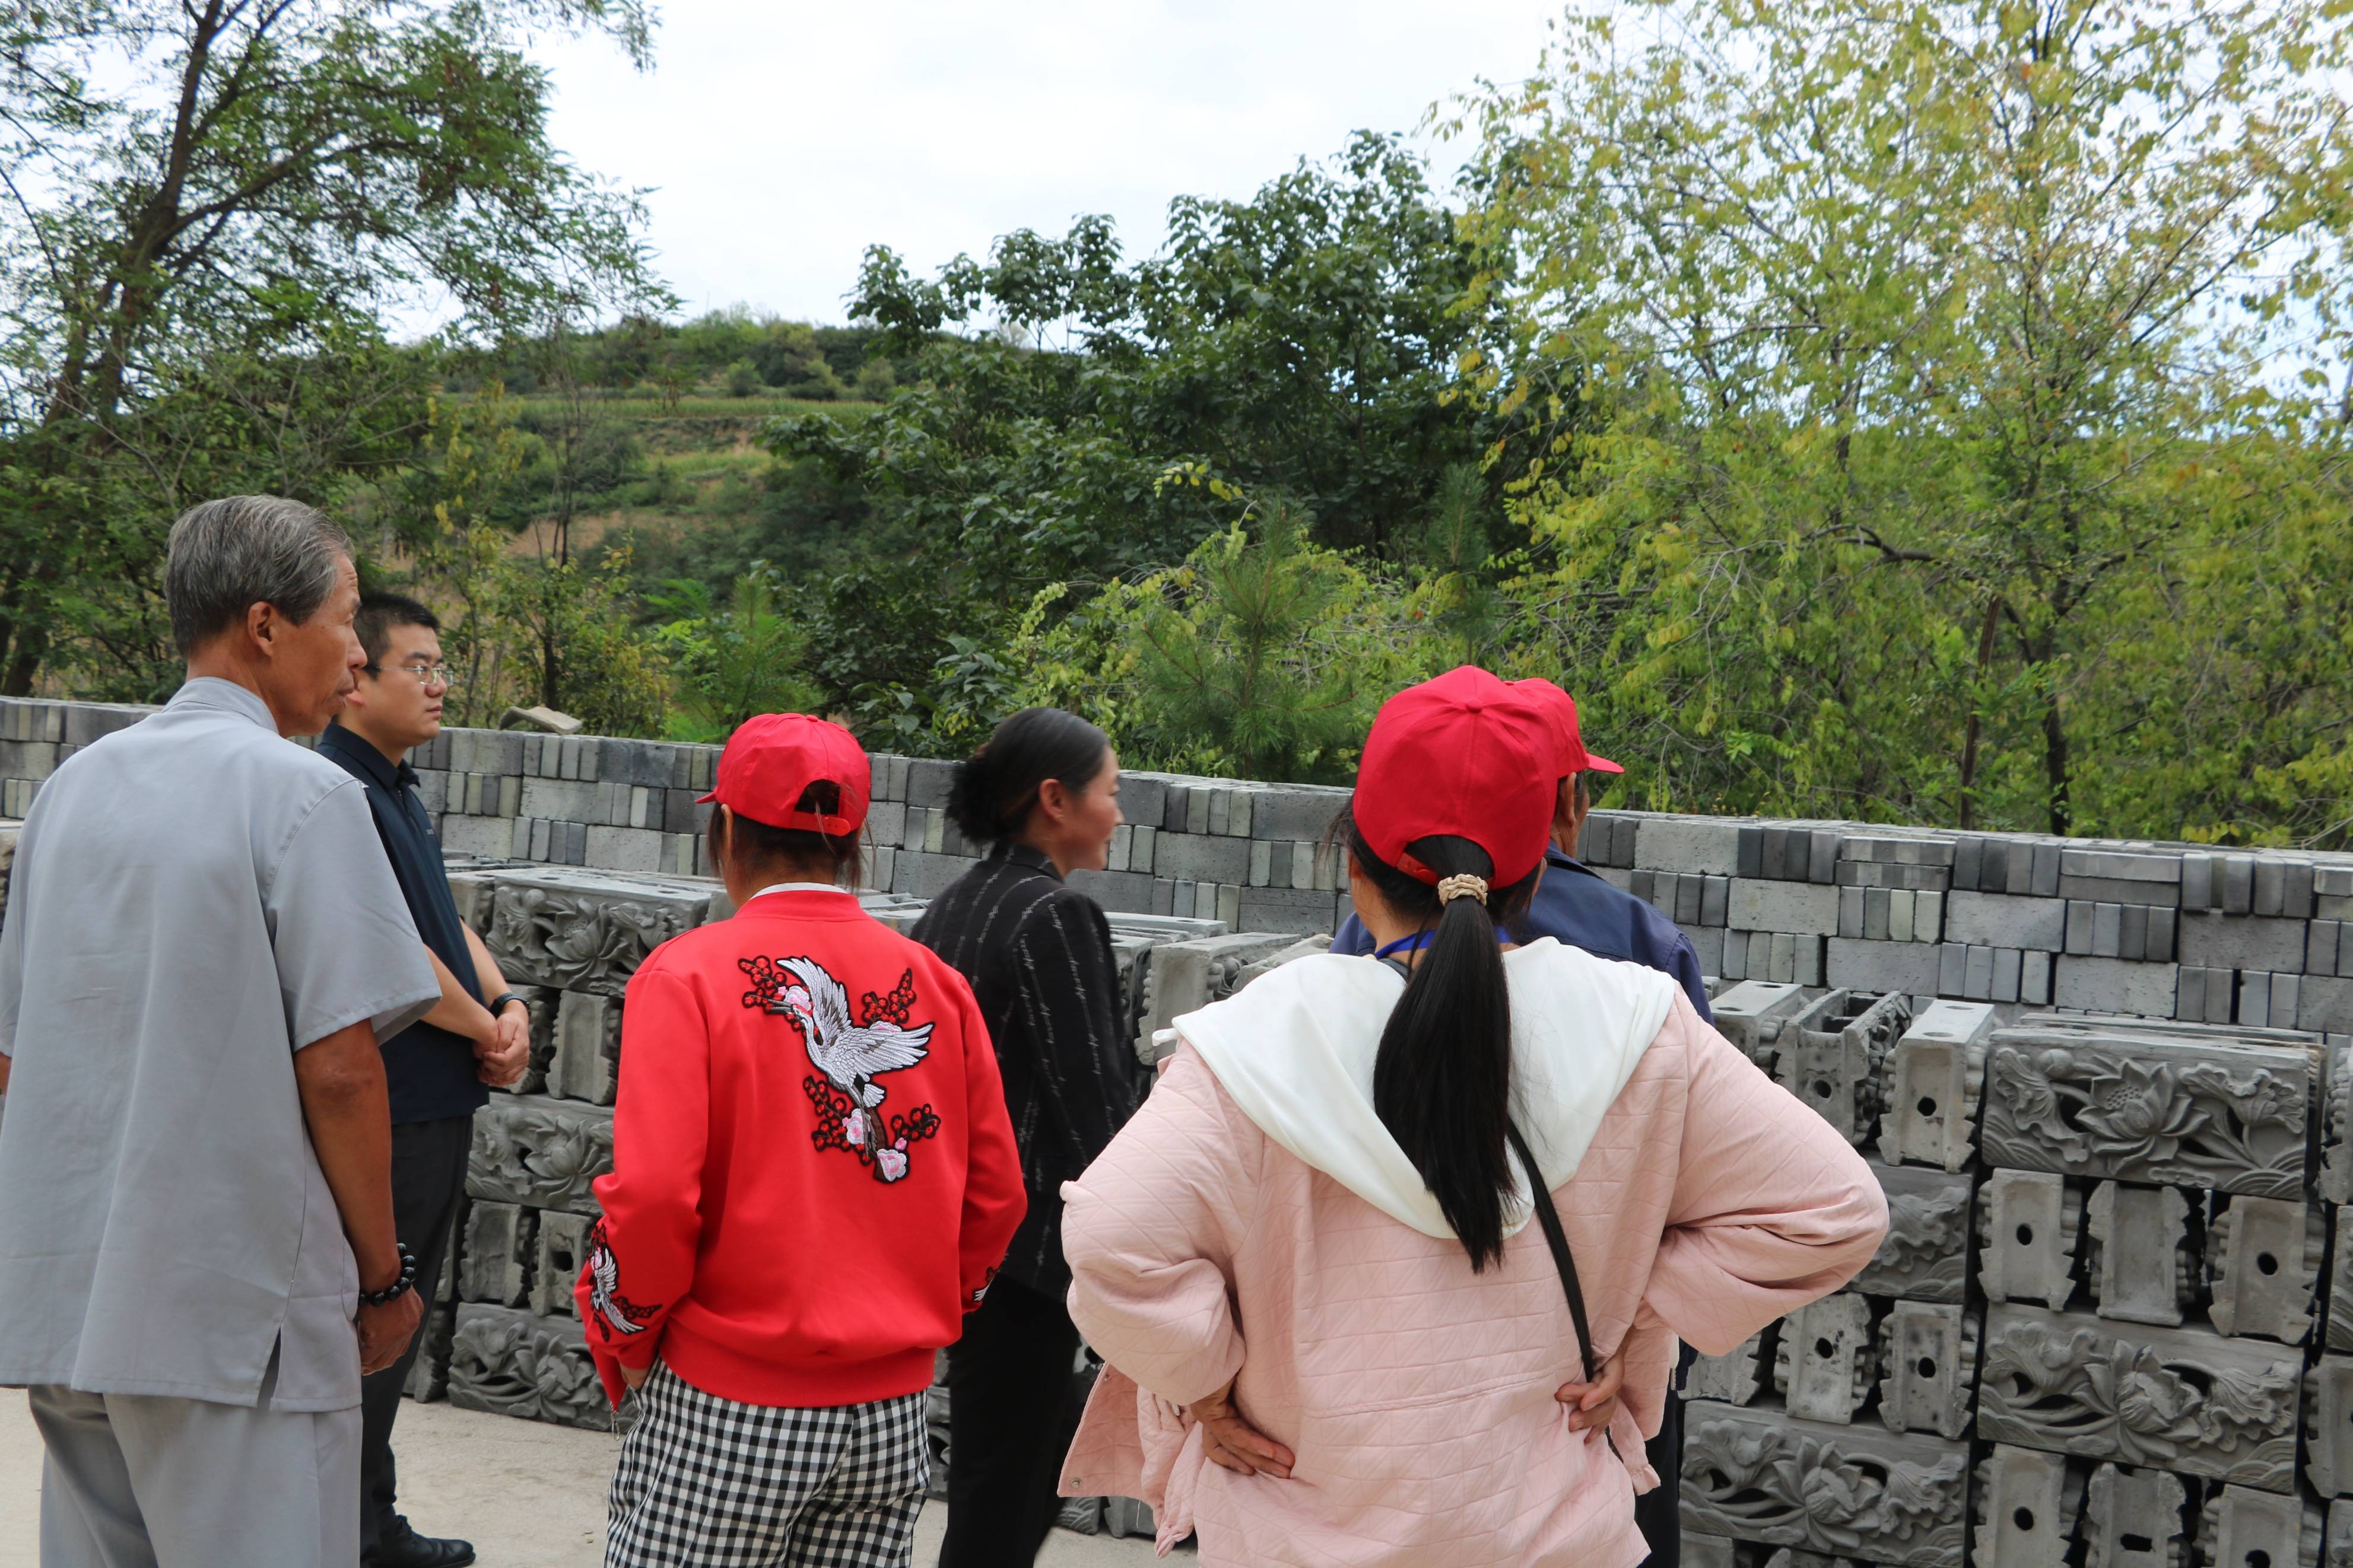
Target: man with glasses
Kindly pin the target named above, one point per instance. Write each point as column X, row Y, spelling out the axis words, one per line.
column 478, row 1034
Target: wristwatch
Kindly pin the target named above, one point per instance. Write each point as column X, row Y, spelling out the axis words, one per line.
column 499, row 1003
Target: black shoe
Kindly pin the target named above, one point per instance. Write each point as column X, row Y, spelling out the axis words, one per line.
column 402, row 1547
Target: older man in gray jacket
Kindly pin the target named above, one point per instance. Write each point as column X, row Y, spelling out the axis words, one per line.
column 203, row 944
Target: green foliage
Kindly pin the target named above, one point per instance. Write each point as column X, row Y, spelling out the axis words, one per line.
column 742, row 379
column 1302, row 343
column 563, row 634
column 1263, row 656
column 1932, row 349
column 729, row 664
column 230, row 197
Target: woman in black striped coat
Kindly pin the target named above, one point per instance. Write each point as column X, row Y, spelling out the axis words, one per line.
column 1043, row 794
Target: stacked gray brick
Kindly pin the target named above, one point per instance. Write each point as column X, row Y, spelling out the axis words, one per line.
column 2229, row 952
column 2109, row 1291
column 1875, row 1380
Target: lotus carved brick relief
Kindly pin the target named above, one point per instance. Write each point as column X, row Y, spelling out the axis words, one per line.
column 540, row 1152
column 514, row 1363
column 581, row 937
column 2229, row 1117
column 1852, row 1492
column 2176, row 1399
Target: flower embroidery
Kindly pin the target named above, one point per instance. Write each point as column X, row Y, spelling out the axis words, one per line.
column 850, row 1057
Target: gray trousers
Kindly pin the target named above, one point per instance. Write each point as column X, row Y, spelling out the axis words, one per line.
column 134, row 1480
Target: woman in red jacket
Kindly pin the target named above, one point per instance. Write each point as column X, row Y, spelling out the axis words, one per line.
column 813, row 1180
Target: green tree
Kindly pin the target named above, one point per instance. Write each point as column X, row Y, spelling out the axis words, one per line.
column 1261, row 656
column 1917, row 329
column 1300, row 343
column 729, row 664
column 254, row 182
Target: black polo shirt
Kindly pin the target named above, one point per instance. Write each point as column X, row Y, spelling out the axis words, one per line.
column 430, row 1071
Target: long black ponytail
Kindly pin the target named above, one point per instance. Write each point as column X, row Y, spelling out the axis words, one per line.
column 1443, row 1080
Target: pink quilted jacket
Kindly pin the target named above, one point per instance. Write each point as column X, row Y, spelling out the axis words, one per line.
column 1417, row 1396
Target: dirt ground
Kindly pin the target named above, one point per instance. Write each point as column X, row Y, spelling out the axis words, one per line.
column 527, row 1496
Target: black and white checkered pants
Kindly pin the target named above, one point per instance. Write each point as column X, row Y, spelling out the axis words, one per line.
column 706, row 1482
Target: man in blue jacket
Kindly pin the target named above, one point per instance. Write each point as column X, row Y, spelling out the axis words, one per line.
column 1576, row 907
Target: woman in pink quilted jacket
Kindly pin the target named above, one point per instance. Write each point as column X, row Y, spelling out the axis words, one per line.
column 1333, row 1336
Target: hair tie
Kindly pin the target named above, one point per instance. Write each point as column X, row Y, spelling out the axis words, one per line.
column 1462, row 885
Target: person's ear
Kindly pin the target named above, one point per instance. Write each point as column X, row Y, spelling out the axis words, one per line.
column 261, row 623
column 1055, row 799
column 724, row 839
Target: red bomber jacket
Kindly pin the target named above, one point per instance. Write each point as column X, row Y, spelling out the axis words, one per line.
column 814, row 1174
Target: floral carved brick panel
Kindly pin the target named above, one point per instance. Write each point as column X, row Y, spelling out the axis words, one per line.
column 1925, row 1255
column 2175, row 1398
column 514, row 1363
column 2227, row 1116
column 1847, row 1492
column 540, row 1152
column 581, row 936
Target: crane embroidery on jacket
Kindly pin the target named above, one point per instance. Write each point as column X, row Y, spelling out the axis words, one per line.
column 618, row 1313
column 849, row 1057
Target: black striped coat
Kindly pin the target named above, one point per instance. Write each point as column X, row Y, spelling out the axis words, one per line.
column 1039, row 956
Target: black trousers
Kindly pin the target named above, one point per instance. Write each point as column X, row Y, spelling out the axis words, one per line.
column 1659, row 1511
column 428, row 1177
column 1012, row 1412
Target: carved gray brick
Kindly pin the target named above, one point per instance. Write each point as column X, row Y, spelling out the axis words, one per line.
column 429, row 1374
column 2184, row 1400
column 558, row 1251
column 580, row 934
column 1925, row 1253
column 587, row 1064
column 1927, row 1367
column 1935, row 1078
column 2262, row 1257
column 1851, row 1491
column 1708, row 1551
column 2337, row 1127
column 540, row 1152
column 517, row 1364
column 475, row 893
column 2132, row 1518
column 2027, row 1504
column 495, row 1263
column 2028, row 1223
column 2337, row 1550
column 2340, row 1285
column 1833, row 1056
column 2239, row 1528
column 1823, row 1362
column 1736, row 1378
column 2146, row 1105
column 2140, row 1265
column 1185, row 976
column 1306, row 947
column 1753, row 1014
column 2328, row 1426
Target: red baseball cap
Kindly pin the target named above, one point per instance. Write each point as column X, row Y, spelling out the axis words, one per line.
column 773, row 758
column 1465, row 756
column 1561, row 709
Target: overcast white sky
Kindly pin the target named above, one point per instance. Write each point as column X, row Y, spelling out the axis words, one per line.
column 782, row 137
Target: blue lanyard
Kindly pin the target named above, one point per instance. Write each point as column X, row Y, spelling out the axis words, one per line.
column 1422, row 939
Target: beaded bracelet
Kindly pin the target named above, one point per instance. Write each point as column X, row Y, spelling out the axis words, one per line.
column 392, row 1292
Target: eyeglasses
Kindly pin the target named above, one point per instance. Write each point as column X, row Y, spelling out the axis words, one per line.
column 427, row 674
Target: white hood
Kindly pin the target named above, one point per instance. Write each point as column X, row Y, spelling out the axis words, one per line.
column 1295, row 1051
